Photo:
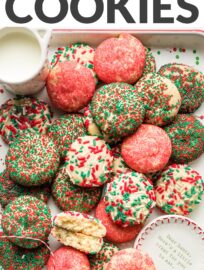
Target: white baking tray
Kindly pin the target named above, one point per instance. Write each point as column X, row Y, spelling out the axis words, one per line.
column 181, row 47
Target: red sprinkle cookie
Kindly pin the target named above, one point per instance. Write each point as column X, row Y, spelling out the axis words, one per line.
column 187, row 138
column 23, row 114
column 129, row 199
column 70, row 197
column 79, row 231
column 190, row 83
column 161, row 98
column 70, row 86
column 100, row 260
column 32, row 160
column 27, row 217
column 120, row 59
column 131, row 259
column 65, row 130
column 82, row 53
column 114, row 232
column 67, row 258
column 179, row 190
column 148, row 150
column 89, row 162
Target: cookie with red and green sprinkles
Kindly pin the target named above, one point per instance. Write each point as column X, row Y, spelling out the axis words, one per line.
column 100, row 260
column 119, row 165
column 82, row 53
column 187, row 138
column 129, row 199
column 150, row 64
column 161, row 98
column 27, row 217
column 65, row 130
column 32, row 160
column 91, row 127
column 89, row 162
column 14, row 257
column 9, row 190
column 23, row 114
column 70, row 197
column 179, row 190
column 190, row 83
column 117, row 110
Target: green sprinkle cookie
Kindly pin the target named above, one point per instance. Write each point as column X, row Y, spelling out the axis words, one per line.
column 161, row 98
column 179, row 190
column 129, row 199
column 70, row 197
column 9, row 190
column 190, row 83
column 13, row 257
column 89, row 162
column 117, row 110
column 65, row 130
column 187, row 138
column 27, row 217
column 100, row 260
column 23, row 114
column 32, row 160
column 82, row 53
column 150, row 64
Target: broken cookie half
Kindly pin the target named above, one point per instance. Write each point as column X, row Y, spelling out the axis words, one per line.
column 79, row 231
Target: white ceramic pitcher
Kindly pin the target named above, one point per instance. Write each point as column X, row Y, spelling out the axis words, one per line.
column 24, row 74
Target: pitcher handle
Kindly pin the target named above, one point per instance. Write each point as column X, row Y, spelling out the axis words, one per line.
column 46, row 37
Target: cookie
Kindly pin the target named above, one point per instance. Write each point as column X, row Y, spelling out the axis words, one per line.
column 9, row 190
column 100, row 260
column 65, row 130
column 161, row 98
column 131, row 259
column 129, row 199
column 82, row 53
column 91, row 127
column 70, row 86
column 148, row 150
column 150, row 63
column 79, row 231
column 32, row 160
column 14, row 257
column 179, row 190
column 119, row 165
column 120, row 59
column 89, row 162
column 117, row 110
column 94, row 130
column 114, row 232
column 190, row 83
column 187, row 138
column 23, row 114
column 27, row 217
column 70, row 197
column 67, row 258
